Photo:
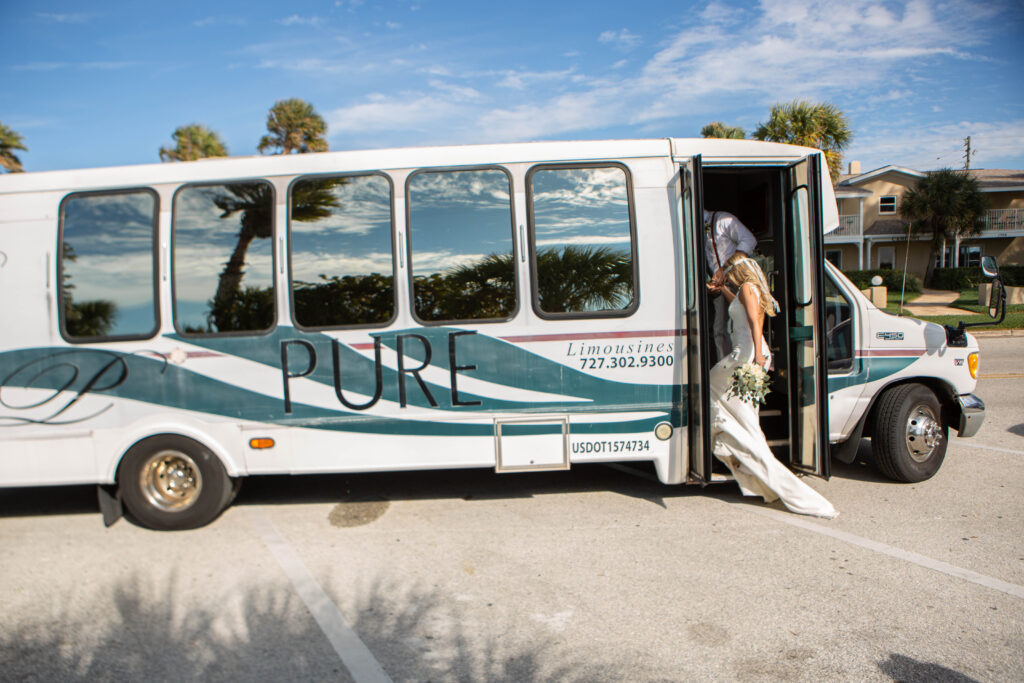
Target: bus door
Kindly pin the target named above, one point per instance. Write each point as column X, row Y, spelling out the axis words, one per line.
column 696, row 401
column 806, row 348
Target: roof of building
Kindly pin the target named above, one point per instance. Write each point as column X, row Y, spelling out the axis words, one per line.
column 989, row 179
column 886, row 226
column 992, row 178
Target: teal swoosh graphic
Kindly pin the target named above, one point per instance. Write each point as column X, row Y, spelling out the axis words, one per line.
column 68, row 372
column 871, row 370
column 495, row 361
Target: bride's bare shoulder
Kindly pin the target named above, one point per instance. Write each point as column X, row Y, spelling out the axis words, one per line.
column 748, row 289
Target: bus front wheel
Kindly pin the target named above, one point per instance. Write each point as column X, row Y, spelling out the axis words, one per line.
column 909, row 438
column 171, row 482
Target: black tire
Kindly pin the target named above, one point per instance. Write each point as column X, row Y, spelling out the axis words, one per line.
column 909, row 436
column 170, row 482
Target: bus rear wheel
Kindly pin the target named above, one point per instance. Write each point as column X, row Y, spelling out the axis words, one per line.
column 909, row 438
column 170, row 482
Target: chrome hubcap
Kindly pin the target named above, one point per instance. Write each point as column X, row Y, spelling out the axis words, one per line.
column 171, row 481
column 924, row 433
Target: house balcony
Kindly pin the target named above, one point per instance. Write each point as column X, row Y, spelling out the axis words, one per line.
column 849, row 230
column 1003, row 222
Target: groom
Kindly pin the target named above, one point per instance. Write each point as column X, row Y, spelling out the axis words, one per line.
column 724, row 235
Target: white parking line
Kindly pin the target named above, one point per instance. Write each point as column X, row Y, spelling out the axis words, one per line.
column 986, row 448
column 354, row 654
column 905, row 555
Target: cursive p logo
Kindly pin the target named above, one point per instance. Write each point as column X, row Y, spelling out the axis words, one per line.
column 59, row 382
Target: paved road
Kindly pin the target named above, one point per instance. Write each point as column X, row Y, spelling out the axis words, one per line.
column 595, row 574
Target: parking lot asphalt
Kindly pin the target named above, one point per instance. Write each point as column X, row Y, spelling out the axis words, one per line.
column 598, row 573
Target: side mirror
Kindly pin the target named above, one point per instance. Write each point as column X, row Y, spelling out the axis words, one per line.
column 997, row 298
column 989, row 267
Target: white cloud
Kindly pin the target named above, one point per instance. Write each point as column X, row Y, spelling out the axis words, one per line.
column 623, row 39
column 66, row 18
column 930, row 147
column 414, row 112
column 219, row 21
column 521, row 80
column 865, row 55
column 296, row 20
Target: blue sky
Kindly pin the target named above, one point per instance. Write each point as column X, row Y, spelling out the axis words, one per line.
column 100, row 84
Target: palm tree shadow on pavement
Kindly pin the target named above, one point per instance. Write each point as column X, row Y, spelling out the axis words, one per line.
column 139, row 630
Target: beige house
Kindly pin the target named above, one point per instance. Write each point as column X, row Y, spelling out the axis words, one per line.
column 872, row 235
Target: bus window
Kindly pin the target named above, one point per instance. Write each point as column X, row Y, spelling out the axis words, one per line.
column 461, row 253
column 107, row 265
column 838, row 328
column 223, row 258
column 342, row 268
column 582, row 236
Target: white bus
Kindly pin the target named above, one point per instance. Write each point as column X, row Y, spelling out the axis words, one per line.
column 170, row 329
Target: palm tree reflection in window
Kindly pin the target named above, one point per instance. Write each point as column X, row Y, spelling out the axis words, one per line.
column 84, row 319
column 236, row 306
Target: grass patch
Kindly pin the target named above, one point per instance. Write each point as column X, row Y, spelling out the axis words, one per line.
column 1014, row 320
column 892, row 300
column 968, row 301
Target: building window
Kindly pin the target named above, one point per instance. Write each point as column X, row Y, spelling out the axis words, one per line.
column 342, row 267
column 835, row 257
column 944, row 258
column 223, row 259
column 887, row 257
column 887, row 204
column 583, row 240
column 460, row 245
column 108, row 266
column 970, row 255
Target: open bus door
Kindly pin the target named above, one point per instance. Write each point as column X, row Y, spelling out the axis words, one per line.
column 808, row 379
column 697, row 402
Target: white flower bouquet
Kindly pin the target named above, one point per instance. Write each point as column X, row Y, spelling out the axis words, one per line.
column 750, row 382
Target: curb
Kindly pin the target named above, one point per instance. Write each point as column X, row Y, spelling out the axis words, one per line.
column 998, row 333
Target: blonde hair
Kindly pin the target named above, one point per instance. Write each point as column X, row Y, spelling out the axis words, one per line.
column 742, row 269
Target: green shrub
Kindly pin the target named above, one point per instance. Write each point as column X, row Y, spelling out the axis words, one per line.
column 892, row 279
column 957, row 279
column 1013, row 276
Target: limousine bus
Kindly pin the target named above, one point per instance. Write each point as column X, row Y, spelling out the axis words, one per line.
column 170, row 329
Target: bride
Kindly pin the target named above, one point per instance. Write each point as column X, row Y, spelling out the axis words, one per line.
column 735, row 427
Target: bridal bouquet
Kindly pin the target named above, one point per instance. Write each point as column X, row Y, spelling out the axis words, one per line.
column 750, row 382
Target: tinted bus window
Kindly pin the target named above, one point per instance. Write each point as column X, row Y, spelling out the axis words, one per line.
column 107, row 265
column 342, row 267
column 460, row 245
column 580, row 221
column 223, row 258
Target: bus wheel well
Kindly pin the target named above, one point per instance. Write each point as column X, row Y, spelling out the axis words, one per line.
column 943, row 391
column 170, row 482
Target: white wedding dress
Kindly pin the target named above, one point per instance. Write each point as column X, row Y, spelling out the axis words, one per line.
column 737, row 437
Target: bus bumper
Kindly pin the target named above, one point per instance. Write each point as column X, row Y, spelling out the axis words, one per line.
column 972, row 414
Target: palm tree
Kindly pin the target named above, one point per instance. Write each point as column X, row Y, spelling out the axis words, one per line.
column 9, row 141
column 294, row 127
column 822, row 126
column 717, row 129
column 311, row 200
column 192, row 142
column 577, row 279
column 945, row 204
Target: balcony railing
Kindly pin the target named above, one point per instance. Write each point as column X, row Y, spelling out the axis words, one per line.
column 1004, row 220
column 849, row 226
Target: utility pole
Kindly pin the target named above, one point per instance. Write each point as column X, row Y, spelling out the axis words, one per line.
column 968, row 153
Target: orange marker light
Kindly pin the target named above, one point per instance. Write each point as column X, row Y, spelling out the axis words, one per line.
column 261, row 443
column 972, row 364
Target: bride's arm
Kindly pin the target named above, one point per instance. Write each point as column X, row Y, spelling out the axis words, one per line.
column 751, row 301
